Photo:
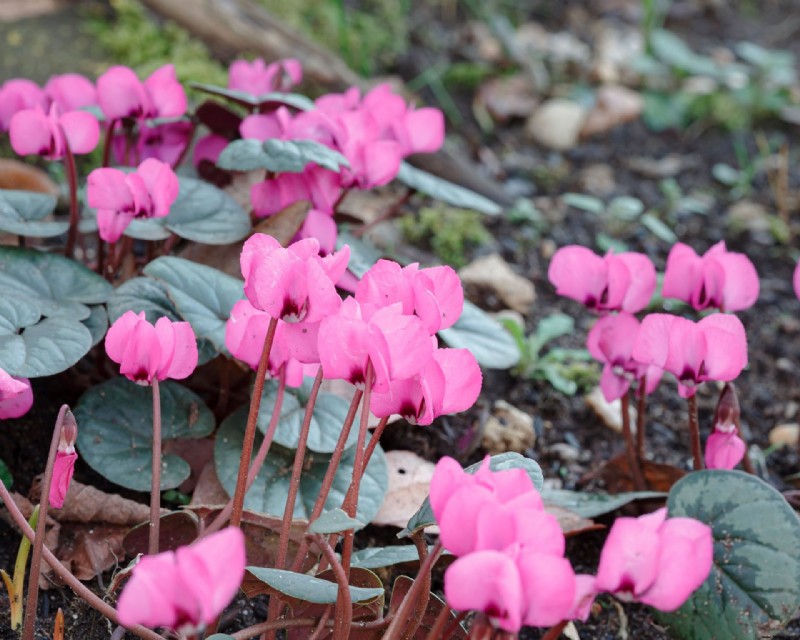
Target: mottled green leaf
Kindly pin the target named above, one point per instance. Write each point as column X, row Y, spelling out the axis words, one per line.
column 23, row 213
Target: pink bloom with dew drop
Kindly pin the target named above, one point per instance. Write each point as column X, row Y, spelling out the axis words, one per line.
column 611, row 342
column 16, row 396
column 119, row 197
column 614, row 282
column 655, row 560
column 146, row 352
column 718, row 279
column 186, row 589
column 715, row 348
column 32, row 131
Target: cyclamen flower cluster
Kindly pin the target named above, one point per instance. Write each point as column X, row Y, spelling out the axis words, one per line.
column 511, row 563
column 383, row 336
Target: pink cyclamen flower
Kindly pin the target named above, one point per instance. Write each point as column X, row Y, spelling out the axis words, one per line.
column 19, row 94
column 719, row 279
column 294, row 284
column 614, row 282
column 724, row 448
column 656, row 560
column 146, row 352
column 611, row 342
column 713, row 349
column 122, row 95
column 16, row 396
column 257, row 77
column 796, row 280
column 71, row 91
column 64, row 464
column 120, row 197
column 185, row 589
column 33, row 131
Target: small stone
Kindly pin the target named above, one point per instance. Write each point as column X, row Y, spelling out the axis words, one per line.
column 566, row 452
column 508, row 429
column 493, row 276
column 597, row 180
column 784, row 364
column 556, row 124
column 615, row 105
column 791, row 410
column 785, row 434
column 610, row 412
column 748, row 215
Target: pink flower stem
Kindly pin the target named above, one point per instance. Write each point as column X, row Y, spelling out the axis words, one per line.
column 258, row 461
column 421, row 583
column 330, row 474
column 344, row 604
column 72, row 179
column 694, row 434
column 297, row 470
column 155, row 484
column 554, row 632
column 38, row 541
column 69, row 579
column 630, row 447
column 641, row 411
column 250, row 429
column 350, row 504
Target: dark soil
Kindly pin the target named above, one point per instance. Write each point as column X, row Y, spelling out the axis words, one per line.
column 767, row 390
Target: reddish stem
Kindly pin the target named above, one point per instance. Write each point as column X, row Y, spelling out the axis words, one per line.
column 38, row 541
column 641, row 410
column 630, row 446
column 250, row 429
column 72, row 180
column 155, row 482
column 694, row 434
column 107, row 142
column 555, row 631
column 344, row 604
column 438, row 626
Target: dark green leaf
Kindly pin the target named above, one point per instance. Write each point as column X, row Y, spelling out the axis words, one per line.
column 116, row 430
column 754, row 586
column 591, row 505
column 335, row 521
column 46, row 348
column 97, row 323
column 424, row 516
column 269, row 491
column 203, row 213
column 22, row 213
column 308, row 588
column 57, row 285
column 202, row 295
column 378, row 557
column 492, row 346
column 279, row 156
column 445, row 191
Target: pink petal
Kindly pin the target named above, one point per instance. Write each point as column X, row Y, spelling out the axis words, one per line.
column 726, row 341
column 119, row 333
column 688, row 348
column 31, row 133
column 458, row 524
column 683, row 274
column 642, row 281
column 538, row 530
column 122, row 95
column 111, row 224
column 381, row 163
column 796, row 279
column 81, row 130
column 724, row 450
column 261, row 127
column 439, row 297
column 585, row 593
column 400, row 346
column 161, row 183
column 612, row 385
column 108, row 189
column 462, row 377
column 178, row 349
column 165, row 142
column 422, row 131
column 257, row 246
column 148, row 596
column 741, row 285
column 652, row 342
column 548, row 583
column 611, row 339
column 321, row 226
column 16, row 95
column 578, row 273
column 208, row 148
column 617, row 287
column 166, row 93
column 245, row 332
column 385, row 283
column 16, row 396
column 63, row 468
column 487, row 581
column 71, row 91
column 448, row 477
column 352, row 338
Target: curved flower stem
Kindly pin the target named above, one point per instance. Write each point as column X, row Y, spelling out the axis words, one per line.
column 641, row 410
column 72, row 179
column 630, row 447
column 438, row 626
column 188, row 146
column 418, row 537
column 70, row 580
column 344, row 603
column 422, row 581
column 258, row 461
column 451, row 628
column 374, row 441
column 109, row 137
column 38, row 542
column 330, row 474
column 297, row 470
column 350, row 504
column 555, row 631
column 321, row 627
column 155, row 483
column 250, row 429
column 694, row 434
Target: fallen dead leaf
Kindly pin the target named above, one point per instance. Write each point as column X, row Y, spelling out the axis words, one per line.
column 18, row 175
column 492, row 277
column 409, row 482
column 785, row 434
column 571, row 523
column 617, row 479
column 400, row 589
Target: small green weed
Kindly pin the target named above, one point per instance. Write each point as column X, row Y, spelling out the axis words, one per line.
column 451, row 233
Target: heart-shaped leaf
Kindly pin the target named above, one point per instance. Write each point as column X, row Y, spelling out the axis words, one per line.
column 48, row 347
column 502, row 462
column 57, row 285
column 203, row 213
column 23, row 213
column 335, row 521
column 203, row 296
column 327, row 418
column 753, row 589
column 445, row 191
column 490, row 343
column 116, row 430
column 279, row 156
column 271, row 486
column 97, row 323
column 150, row 295
column 309, row 588
column 249, row 100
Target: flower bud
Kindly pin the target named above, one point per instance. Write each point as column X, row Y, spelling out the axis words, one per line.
column 726, row 415
column 69, row 433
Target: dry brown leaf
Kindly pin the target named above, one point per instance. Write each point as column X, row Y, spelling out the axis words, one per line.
column 409, row 482
column 571, row 523
column 615, row 474
column 435, row 604
column 18, row 175
column 89, row 550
